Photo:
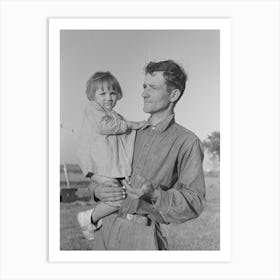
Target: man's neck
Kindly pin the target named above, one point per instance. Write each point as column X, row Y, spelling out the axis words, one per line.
column 160, row 116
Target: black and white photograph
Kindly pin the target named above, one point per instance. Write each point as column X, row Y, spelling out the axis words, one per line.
column 139, row 140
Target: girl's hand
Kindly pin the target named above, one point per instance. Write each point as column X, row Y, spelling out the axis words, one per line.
column 136, row 125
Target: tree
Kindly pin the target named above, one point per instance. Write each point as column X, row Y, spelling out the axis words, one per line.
column 212, row 145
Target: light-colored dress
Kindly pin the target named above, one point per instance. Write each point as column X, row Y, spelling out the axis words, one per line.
column 105, row 145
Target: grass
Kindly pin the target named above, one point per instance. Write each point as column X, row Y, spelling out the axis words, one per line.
column 202, row 233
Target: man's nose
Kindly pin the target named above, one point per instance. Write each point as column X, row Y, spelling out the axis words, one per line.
column 144, row 93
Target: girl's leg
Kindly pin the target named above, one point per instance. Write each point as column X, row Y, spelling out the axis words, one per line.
column 102, row 210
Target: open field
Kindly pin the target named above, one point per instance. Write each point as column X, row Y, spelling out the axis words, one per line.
column 202, row 233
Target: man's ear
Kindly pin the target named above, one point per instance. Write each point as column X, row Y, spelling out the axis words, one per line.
column 175, row 94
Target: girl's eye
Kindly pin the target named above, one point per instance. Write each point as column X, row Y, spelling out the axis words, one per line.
column 112, row 93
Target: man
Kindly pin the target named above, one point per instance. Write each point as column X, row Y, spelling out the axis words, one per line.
column 167, row 163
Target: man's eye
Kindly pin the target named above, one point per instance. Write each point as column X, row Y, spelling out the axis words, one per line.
column 144, row 86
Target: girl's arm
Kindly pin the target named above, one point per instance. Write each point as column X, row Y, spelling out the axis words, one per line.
column 135, row 125
column 111, row 123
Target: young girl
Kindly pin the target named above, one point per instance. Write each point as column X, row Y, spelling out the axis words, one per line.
column 105, row 144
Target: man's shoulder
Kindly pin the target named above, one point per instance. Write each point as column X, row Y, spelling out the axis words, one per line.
column 185, row 133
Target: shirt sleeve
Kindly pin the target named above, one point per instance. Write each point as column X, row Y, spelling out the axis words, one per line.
column 185, row 200
column 107, row 123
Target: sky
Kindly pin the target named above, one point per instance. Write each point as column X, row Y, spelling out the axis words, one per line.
column 125, row 53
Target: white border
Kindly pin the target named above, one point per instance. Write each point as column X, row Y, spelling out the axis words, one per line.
column 55, row 25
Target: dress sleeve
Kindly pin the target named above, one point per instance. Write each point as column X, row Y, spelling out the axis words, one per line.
column 83, row 148
column 107, row 123
column 185, row 200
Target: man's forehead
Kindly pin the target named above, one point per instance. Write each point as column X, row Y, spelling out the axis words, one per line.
column 154, row 78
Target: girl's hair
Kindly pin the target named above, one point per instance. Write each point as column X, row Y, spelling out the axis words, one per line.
column 99, row 80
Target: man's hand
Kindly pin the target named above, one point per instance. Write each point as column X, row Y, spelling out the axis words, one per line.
column 146, row 191
column 109, row 191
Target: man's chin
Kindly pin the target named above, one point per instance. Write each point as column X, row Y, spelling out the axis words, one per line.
column 146, row 109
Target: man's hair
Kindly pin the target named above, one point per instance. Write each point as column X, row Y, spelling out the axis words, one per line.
column 99, row 80
column 174, row 75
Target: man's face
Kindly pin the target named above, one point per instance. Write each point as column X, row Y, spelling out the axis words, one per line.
column 156, row 95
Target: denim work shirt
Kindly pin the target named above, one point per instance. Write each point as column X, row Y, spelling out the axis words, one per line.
column 170, row 157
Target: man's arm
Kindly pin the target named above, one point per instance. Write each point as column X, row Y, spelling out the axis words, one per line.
column 184, row 201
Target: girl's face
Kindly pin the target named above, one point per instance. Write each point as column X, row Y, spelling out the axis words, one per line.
column 106, row 97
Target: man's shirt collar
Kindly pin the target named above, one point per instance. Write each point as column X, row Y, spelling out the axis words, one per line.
column 161, row 126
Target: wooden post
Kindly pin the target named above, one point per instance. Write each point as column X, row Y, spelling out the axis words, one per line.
column 66, row 175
